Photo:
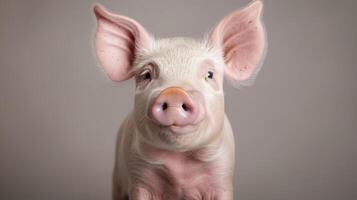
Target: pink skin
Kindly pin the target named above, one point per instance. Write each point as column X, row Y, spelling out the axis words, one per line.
column 185, row 149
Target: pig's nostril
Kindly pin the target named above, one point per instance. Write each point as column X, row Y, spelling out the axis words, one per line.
column 184, row 107
column 164, row 106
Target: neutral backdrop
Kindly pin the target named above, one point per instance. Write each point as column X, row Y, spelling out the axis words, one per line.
column 296, row 128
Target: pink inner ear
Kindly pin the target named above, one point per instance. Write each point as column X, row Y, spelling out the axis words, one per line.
column 242, row 38
column 116, row 38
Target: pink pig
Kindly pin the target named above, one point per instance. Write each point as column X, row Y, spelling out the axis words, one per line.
column 177, row 143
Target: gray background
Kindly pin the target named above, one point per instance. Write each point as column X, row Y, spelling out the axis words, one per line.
column 296, row 128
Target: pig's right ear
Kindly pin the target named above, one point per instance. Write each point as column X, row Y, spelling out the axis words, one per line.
column 241, row 37
column 117, row 39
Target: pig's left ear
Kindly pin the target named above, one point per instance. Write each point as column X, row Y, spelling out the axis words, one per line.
column 241, row 37
column 117, row 40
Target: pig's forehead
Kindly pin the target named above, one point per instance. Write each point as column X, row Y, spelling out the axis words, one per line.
column 174, row 53
column 178, row 45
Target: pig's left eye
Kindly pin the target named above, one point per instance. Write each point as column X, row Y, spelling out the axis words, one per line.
column 209, row 75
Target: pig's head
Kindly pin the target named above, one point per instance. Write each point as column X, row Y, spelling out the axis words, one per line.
column 179, row 100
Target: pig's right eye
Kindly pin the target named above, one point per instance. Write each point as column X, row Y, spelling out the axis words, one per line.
column 147, row 76
column 144, row 77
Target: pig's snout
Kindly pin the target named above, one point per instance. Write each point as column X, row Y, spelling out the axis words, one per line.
column 174, row 107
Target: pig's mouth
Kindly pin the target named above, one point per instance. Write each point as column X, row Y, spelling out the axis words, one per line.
column 182, row 129
column 178, row 129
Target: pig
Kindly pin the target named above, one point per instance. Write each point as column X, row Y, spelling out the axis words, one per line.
column 177, row 143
